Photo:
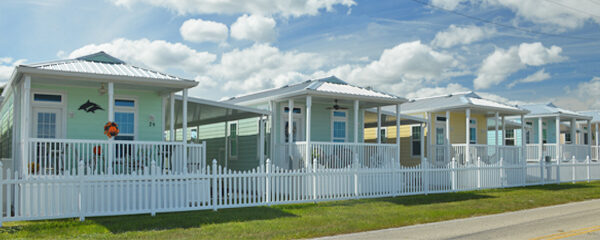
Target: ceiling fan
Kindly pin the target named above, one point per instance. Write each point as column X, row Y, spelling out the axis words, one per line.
column 336, row 106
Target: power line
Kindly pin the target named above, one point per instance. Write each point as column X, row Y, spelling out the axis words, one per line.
column 505, row 25
column 572, row 8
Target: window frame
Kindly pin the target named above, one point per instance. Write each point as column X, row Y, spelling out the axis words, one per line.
column 230, row 140
column 472, row 125
column 340, row 119
column 126, row 109
column 413, row 140
column 62, row 106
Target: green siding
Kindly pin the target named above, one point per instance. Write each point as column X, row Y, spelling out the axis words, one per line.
column 84, row 125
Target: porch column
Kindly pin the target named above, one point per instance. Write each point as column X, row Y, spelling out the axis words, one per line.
column 290, row 129
column 398, row 133
column 523, row 140
column 172, row 117
column 504, row 136
column 272, row 132
column 540, row 140
column 356, row 111
column 226, row 140
column 261, row 138
column 429, row 137
column 184, row 122
column 378, row 125
column 496, row 119
column 308, row 154
column 468, row 134
column 573, row 131
column 111, row 118
column 448, row 144
column 589, row 137
column 25, row 122
column 597, row 144
column 557, row 126
column 422, row 139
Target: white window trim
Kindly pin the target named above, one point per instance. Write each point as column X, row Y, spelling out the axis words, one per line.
column 62, row 106
column 385, row 129
column 413, row 140
column 339, row 119
column 128, row 109
column 237, row 139
column 473, row 125
column 284, row 117
column 513, row 138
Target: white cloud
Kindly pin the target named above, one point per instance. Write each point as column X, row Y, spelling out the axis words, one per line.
column 254, row 27
column 263, row 7
column 538, row 76
column 7, row 65
column 502, row 63
column 198, row 30
column 584, row 97
column 561, row 15
column 158, row 54
column 437, row 91
column 461, row 35
column 263, row 66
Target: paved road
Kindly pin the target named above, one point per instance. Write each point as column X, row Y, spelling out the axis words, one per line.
column 569, row 221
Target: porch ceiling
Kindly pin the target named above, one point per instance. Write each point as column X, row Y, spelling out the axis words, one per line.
column 202, row 111
column 89, row 83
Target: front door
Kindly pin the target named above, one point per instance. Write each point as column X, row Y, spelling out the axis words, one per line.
column 440, row 142
column 47, row 123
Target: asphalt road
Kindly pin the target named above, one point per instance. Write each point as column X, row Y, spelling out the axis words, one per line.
column 579, row 220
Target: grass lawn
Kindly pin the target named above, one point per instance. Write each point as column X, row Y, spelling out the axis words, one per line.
column 305, row 220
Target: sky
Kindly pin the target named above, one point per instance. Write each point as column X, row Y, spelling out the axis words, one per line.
column 514, row 51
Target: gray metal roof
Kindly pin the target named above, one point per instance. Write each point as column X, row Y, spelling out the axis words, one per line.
column 459, row 101
column 595, row 114
column 331, row 86
column 549, row 109
column 104, row 64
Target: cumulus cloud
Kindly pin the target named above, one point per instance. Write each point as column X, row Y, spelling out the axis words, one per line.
column 584, row 97
column 262, row 7
column 254, row 27
column 198, row 30
column 502, row 63
column 7, row 65
column 437, row 91
column 157, row 54
column 461, row 36
column 561, row 15
column 538, row 76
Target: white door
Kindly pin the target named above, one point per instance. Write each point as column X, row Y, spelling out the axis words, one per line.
column 47, row 123
column 298, row 129
column 440, row 141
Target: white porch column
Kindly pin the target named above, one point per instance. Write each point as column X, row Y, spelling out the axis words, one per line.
column 557, row 127
column 448, row 144
column 573, row 131
column 422, row 139
column 540, row 140
column 272, row 132
column 261, row 138
column 597, row 144
column 468, row 134
column 429, row 137
column 184, row 122
column 378, row 125
column 25, row 122
column 226, row 140
column 356, row 112
column 172, row 117
column 111, row 118
column 308, row 154
column 398, row 143
column 504, row 136
column 523, row 140
column 589, row 137
column 290, row 129
column 496, row 119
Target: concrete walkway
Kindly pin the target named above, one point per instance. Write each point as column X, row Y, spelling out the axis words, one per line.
column 579, row 220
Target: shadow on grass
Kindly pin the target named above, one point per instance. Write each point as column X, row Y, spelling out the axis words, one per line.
column 558, row 187
column 194, row 219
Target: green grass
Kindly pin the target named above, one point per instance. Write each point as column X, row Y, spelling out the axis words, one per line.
column 305, row 220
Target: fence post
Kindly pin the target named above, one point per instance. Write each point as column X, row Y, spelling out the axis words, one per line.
column 314, row 183
column 215, row 191
column 558, row 168
column 425, row 175
column 356, row 177
column 542, row 177
column 1, row 197
column 153, row 194
column 502, row 172
column 81, row 176
column 268, row 182
column 453, row 174
column 587, row 165
column 573, row 160
column 478, row 172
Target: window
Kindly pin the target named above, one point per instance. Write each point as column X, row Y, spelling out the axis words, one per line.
column 509, row 138
column 233, row 140
column 46, row 125
column 544, row 132
column 125, row 118
column 585, row 138
column 383, row 135
column 339, row 122
column 296, row 110
column 473, row 131
column 52, row 98
column 441, row 119
column 415, row 141
column 567, row 137
column 528, row 132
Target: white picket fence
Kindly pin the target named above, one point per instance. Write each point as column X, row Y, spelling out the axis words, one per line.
column 152, row 190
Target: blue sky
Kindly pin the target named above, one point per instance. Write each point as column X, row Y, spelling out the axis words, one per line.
column 549, row 52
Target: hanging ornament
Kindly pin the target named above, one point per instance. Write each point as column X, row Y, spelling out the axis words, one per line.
column 111, row 129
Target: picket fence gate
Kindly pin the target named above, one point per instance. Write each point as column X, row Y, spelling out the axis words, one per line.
column 213, row 187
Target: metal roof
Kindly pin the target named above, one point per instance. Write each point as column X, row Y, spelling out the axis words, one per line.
column 549, row 109
column 104, row 64
column 330, row 86
column 459, row 101
column 595, row 114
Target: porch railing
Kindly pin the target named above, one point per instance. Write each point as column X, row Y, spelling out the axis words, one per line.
column 337, row 155
column 50, row 157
